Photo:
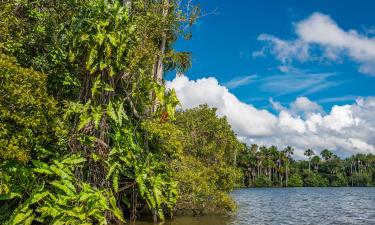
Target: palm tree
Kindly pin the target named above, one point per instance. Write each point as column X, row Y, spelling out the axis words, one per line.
column 326, row 154
column 274, row 159
column 309, row 153
column 315, row 161
column 288, row 152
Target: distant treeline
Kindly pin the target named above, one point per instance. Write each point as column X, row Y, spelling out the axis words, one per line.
column 271, row 167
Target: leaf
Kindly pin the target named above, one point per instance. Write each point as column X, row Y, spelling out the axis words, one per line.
column 112, row 40
column 99, row 37
column 118, row 214
column 96, row 85
column 83, row 121
column 38, row 196
column 102, row 65
column 23, row 218
column 115, row 210
column 69, row 185
column 159, row 92
column 71, row 56
column 41, row 167
column 115, row 179
column 121, row 113
column 62, row 187
column 97, row 115
column 10, row 196
column 92, row 56
column 73, row 160
column 111, row 112
column 111, row 170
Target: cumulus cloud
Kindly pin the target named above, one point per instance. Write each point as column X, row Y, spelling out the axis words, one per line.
column 304, row 105
column 346, row 129
column 245, row 119
column 301, row 106
column 321, row 32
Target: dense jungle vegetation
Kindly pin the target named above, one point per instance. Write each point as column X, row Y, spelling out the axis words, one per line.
column 270, row 167
column 89, row 134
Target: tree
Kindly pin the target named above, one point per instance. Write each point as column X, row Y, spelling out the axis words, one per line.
column 288, row 151
column 295, row 180
column 207, row 171
column 315, row 160
column 326, row 154
column 309, row 153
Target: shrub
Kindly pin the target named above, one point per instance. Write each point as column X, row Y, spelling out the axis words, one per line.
column 28, row 122
column 315, row 180
column 295, row 180
column 263, row 181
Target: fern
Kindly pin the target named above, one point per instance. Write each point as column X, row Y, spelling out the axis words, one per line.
column 59, row 202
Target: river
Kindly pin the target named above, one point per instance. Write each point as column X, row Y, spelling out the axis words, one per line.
column 294, row 206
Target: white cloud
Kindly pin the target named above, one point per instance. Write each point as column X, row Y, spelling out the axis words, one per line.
column 288, row 123
column 284, row 50
column 320, row 32
column 245, row 119
column 305, row 106
column 240, row 81
column 346, row 129
column 340, row 117
column 297, row 82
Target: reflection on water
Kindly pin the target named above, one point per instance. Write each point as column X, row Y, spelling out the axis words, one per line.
column 294, row 206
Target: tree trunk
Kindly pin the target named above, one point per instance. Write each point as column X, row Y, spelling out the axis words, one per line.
column 286, row 174
column 309, row 166
column 154, row 216
column 159, row 67
column 351, row 172
column 158, row 76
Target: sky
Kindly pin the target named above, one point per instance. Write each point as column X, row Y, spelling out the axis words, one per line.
column 291, row 72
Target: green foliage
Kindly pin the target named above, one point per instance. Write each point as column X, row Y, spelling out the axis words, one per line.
column 361, row 180
column 295, row 180
column 97, row 59
column 209, row 137
column 340, row 180
column 258, row 162
column 206, row 173
column 28, row 123
column 63, row 199
column 263, row 181
column 315, row 180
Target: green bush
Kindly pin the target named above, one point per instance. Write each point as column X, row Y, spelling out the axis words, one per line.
column 206, row 173
column 28, row 115
column 295, row 180
column 62, row 199
column 361, row 180
column 263, row 181
column 339, row 180
column 315, row 180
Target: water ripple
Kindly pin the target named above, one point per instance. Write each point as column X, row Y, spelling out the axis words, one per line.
column 305, row 206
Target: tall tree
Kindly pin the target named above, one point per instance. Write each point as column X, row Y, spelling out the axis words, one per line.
column 288, row 151
column 309, row 153
column 326, row 154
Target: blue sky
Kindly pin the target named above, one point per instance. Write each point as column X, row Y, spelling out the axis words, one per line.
column 223, row 47
column 286, row 72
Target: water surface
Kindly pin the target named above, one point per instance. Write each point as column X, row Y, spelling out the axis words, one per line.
column 295, row 206
column 305, row 206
